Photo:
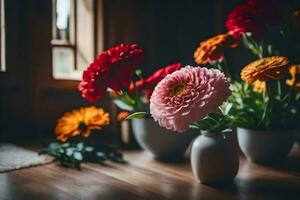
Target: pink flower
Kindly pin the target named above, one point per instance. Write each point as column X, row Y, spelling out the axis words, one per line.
column 188, row 95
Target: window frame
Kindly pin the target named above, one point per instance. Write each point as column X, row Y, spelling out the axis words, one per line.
column 2, row 37
column 72, row 44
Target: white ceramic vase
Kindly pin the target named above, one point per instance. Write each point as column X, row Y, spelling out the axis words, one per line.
column 163, row 144
column 265, row 146
column 214, row 158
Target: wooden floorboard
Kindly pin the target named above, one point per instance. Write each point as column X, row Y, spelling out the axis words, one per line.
column 146, row 178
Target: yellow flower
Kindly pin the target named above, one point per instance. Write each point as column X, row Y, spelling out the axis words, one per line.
column 259, row 86
column 294, row 72
column 212, row 49
column 80, row 122
column 274, row 67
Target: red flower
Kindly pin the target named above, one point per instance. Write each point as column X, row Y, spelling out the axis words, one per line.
column 252, row 17
column 148, row 84
column 111, row 69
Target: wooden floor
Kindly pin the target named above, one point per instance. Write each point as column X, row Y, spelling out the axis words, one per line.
column 146, row 178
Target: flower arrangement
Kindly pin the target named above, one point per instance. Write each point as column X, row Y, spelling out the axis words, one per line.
column 266, row 101
column 72, row 150
column 266, row 98
column 115, row 70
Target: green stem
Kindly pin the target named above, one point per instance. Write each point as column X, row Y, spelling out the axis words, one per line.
column 260, row 46
column 137, row 99
column 259, row 50
column 290, row 94
column 135, row 104
column 268, row 105
column 253, row 45
column 268, row 92
column 217, row 65
column 227, row 70
column 223, row 68
column 130, row 100
column 279, row 88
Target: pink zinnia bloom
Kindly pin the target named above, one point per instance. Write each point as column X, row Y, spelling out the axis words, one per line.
column 188, row 95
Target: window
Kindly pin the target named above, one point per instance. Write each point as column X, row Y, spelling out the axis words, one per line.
column 74, row 37
column 2, row 36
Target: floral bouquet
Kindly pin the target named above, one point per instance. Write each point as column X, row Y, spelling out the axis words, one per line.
column 267, row 34
column 115, row 70
column 191, row 98
column 267, row 98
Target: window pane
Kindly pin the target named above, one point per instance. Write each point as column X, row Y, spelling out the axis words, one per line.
column 63, row 62
column 63, row 21
column 85, row 33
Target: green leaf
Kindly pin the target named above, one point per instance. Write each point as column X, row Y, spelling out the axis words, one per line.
column 69, row 151
column 138, row 115
column 216, row 116
column 118, row 159
column 89, row 148
column 122, row 105
column 227, row 108
column 78, row 156
column 139, row 73
column 74, row 153
column 270, row 49
column 54, row 145
column 100, row 154
column 64, row 145
column 194, row 126
column 80, row 146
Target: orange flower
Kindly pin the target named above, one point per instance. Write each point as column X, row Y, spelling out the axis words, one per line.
column 294, row 72
column 122, row 115
column 259, row 86
column 80, row 122
column 274, row 67
column 212, row 49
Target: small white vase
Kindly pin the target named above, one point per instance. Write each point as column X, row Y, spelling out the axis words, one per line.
column 265, row 146
column 214, row 158
column 163, row 144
